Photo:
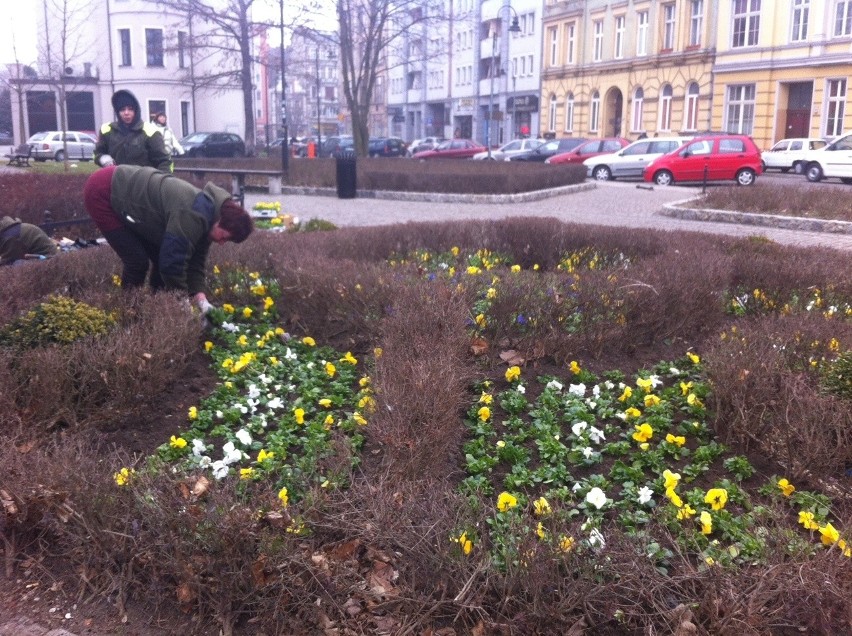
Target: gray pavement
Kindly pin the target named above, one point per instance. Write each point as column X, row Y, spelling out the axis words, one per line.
column 618, row 204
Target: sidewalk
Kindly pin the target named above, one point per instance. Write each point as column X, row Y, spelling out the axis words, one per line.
column 612, row 204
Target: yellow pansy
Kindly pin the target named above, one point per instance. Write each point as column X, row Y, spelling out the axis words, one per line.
column 325, row 403
column 677, row 440
column 491, row 293
column 484, row 413
column 454, row 250
column 685, row 387
column 330, row 369
column 364, row 381
column 651, row 400
column 646, row 384
column 228, row 308
column 308, row 341
column 513, row 373
column 283, row 497
column 486, row 398
column 706, row 522
column 246, row 473
column 263, row 455
column 246, row 312
column 207, row 346
column 359, row 419
column 693, row 357
column 643, row 433
column 541, row 507
column 539, row 531
column 674, row 497
column 515, row 269
column 506, row 501
column 193, row 413
column 268, row 303
column 574, row 367
column 177, row 442
column 632, row 413
column 717, row 498
column 628, row 392
column 349, row 358
column 299, row 414
column 829, row 533
column 807, row 520
column 686, row 512
column 566, row 544
column 122, row 477
column 786, row 487
column 480, row 320
column 465, row 543
column 672, row 479
column 329, row 420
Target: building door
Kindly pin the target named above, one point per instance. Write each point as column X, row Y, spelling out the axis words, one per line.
column 798, row 118
column 614, row 107
column 81, row 111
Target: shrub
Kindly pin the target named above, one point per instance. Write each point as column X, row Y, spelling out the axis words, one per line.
column 837, row 376
column 59, row 320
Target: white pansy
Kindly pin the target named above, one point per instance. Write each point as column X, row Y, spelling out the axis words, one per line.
column 596, row 390
column 608, row 385
column 275, row 403
column 204, row 461
column 309, row 365
column 588, row 452
column 596, row 497
column 596, row 434
column 232, row 453
column 674, row 371
column 577, row 389
column 253, row 391
column 576, row 487
column 591, row 404
column 229, row 326
column 289, row 355
column 578, row 427
column 264, row 378
column 198, row 447
column 655, row 381
column 244, row 436
column 554, row 385
column 645, row 495
column 596, row 539
column 521, row 389
column 243, row 409
column 220, row 469
column 622, row 416
column 219, row 414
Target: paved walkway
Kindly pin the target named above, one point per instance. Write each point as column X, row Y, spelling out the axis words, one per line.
column 627, row 205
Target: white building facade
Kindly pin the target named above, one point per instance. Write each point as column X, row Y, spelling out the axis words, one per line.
column 134, row 45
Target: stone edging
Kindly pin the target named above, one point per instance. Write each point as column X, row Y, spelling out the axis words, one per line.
column 445, row 197
column 680, row 210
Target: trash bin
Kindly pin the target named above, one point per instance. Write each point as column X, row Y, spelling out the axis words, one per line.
column 346, row 176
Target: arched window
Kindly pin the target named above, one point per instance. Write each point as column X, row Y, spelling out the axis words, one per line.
column 690, row 113
column 636, row 124
column 595, row 113
column 665, row 122
column 569, row 112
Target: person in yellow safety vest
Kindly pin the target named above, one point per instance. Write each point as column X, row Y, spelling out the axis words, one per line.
column 129, row 140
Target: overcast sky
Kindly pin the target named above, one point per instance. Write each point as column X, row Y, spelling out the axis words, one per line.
column 18, row 22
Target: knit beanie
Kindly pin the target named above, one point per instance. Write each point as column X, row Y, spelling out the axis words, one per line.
column 123, row 99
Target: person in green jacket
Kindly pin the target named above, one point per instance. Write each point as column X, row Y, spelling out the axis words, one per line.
column 129, row 139
column 19, row 241
column 154, row 220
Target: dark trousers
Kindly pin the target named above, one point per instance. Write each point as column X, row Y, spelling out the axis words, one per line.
column 136, row 254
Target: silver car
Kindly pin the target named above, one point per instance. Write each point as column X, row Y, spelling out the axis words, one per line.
column 510, row 149
column 631, row 160
column 53, row 143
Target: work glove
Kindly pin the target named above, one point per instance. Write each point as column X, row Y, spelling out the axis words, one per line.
column 106, row 160
column 205, row 307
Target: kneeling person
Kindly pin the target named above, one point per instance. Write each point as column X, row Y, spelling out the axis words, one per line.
column 20, row 241
column 155, row 220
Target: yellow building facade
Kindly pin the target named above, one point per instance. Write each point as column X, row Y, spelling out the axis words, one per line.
column 783, row 68
column 629, row 68
column 766, row 68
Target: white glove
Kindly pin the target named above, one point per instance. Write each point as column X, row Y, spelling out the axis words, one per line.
column 205, row 306
column 106, row 160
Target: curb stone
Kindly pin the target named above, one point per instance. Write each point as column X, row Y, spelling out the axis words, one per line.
column 680, row 210
column 24, row 627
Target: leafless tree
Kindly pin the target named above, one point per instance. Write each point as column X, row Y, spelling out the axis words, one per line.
column 61, row 47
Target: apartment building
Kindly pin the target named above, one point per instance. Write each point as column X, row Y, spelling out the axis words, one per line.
column 138, row 45
column 783, row 68
column 313, row 84
column 629, row 68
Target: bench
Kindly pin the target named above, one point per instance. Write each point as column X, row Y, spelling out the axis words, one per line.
column 238, row 178
column 20, row 156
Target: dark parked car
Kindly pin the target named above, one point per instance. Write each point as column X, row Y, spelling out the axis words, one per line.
column 718, row 158
column 452, row 149
column 336, row 146
column 6, row 138
column 213, row 144
column 591, row 148
column 549, row 149
column 387, row 147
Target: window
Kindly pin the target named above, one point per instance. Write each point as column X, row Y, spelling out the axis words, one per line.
column 184, row 119
column 746, row 25
column 554, row 49
column 668, row 27
column 182, row 45
column 666, row 108
column 569, row 112
column 835, row 107
column 843, row 18
column 597, row 56
column 696, row 22
column 740, row 109
column 731, row 145
column 691, row 112
column 595, row 112
column 619, row 37
column 801, row 11
column 700, row 148
column 642, row 33
column 551, row 116
column 154, row 47
column 530, row 64
column 638, row 106
column 156, row 106
column 570, row 41
column 124, row 43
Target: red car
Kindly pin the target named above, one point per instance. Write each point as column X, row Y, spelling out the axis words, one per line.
column 711, row 158
column 591, row 148
column 452, row 149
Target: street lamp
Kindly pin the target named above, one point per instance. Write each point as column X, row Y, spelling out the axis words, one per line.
column 285, row 151
column 514, row 28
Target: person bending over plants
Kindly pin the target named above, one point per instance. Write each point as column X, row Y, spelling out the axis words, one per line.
column 155, row 220
column 20, row 241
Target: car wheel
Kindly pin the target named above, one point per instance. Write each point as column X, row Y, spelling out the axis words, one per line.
column 798, row 167
column 763, row 166
column 785, row 170
column 746, row 177
column 814, row 173
column 60, row 155
column 663, row 178
column 602, row 173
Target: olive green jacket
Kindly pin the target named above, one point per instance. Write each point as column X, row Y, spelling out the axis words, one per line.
column 18, row 239
column 173, row 215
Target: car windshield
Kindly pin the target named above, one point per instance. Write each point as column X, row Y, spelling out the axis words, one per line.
column 446, row 145
column 194, row 138
column 38, row 136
